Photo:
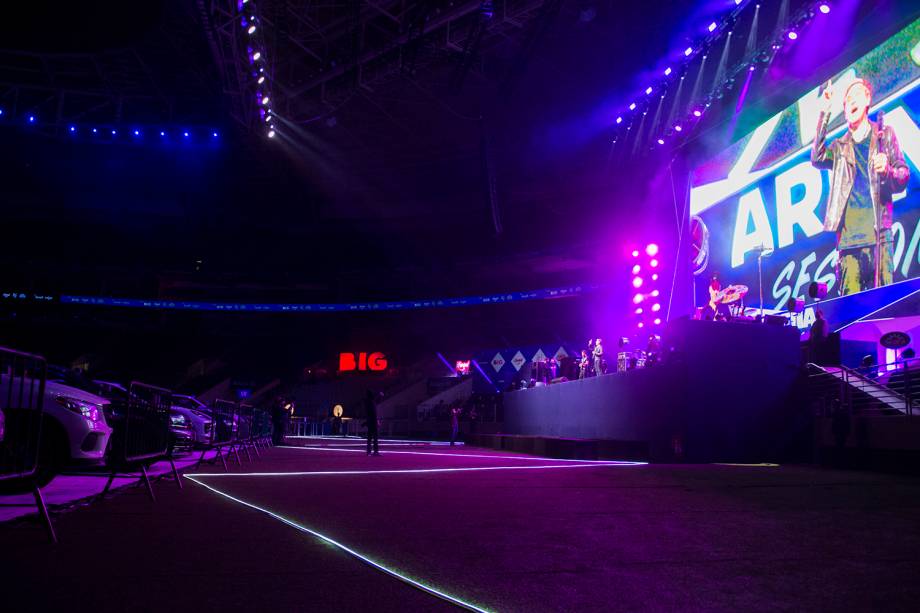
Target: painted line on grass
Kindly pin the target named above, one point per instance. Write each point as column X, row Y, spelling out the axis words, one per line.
column 473, row 455
column 326, row 539
column 362, row 438
column 311, row 473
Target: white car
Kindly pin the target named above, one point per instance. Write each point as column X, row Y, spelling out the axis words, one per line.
column 75, row 430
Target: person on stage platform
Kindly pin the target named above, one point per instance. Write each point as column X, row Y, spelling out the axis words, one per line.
column 598, row 353
column 817, row 338
column 867, row 168
column 715, row 308
column 583, row 364
column 373, row 428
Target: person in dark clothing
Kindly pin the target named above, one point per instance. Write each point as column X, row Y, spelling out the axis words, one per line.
column 370, row 414
column 454, row 424
column 281, row 413
column 817, row 338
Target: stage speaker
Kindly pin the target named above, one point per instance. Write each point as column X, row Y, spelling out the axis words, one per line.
column 795, row 305
column 775, row 320
column 559, row 380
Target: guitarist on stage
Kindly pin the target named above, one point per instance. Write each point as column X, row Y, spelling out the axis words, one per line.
column 716, row 309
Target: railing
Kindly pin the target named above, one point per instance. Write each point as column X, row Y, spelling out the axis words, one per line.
column 889, row 389
column 22, row 392
column 237, row 427
column 140, row 433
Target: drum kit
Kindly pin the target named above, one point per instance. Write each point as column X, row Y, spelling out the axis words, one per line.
column 733, row 296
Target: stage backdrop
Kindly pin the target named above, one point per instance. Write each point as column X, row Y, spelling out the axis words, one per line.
column 763, row 190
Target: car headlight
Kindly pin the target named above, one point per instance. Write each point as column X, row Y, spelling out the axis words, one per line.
column 87, row 410
column 178, row 420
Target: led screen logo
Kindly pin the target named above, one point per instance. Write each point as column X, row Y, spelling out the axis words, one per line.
column 771, row 192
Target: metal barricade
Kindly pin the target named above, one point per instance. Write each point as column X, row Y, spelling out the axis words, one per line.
column 259, row 422
column 244, row 429
column 225, row 416
column 22, row 391
column 141, row 434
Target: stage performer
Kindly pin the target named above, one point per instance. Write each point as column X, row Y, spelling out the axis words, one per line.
column 715, row 308
column 598, row 357
column 583, row 364
column 867, row 167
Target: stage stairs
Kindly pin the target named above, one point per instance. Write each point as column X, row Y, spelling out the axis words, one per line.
column 867, row 397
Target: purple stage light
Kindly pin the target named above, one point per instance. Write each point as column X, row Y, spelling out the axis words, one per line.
column 1, row 111
column 162, row 133
column 632, row 106
column 73, row 129
column 641, row 325
column 114, row 132
column 137, row 133
column 185, row 134
column 697, row 113
column 95, row 130
column 271, row 134
column 636, row 269
column 648, row 90
column 688, row 51
column 651, row 249
column 619, row 120
column 792, row 35
column 637, row 282
column 712, row 27
column 657, row 322
column 655, row 293
column 214, row 134
column 635, row 253
column 656, row 307
column 261, row 80
column 655, row 277
column 638, row 298
column 678, row 128
column 250, row 29
column 667, row 71
column 660, row 141
column 31, row 118
column 654, row 263
column 265, row 100
column 639, row 311
column 825, row 8
column 256, row 56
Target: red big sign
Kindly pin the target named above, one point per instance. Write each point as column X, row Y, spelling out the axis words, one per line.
column 362, row 361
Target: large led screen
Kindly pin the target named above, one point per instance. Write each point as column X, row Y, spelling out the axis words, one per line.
column 815, row 209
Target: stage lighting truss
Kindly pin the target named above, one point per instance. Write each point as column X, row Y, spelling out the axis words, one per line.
column 646, row 303
column 788, row 33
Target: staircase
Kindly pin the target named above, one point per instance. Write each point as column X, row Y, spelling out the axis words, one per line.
column 866, row 396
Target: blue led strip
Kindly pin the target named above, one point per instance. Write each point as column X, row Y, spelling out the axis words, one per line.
column 183, row 305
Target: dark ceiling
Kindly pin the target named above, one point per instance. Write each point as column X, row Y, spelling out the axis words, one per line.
column 421, row 146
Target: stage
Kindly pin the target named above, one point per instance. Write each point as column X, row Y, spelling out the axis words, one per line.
column 727, row 392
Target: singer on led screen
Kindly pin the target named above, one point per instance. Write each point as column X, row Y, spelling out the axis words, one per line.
column 867, row 167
